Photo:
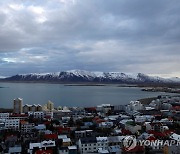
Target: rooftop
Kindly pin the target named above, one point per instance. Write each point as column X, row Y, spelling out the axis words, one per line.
column 88, row 140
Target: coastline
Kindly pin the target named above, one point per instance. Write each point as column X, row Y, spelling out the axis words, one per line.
column 162, row 89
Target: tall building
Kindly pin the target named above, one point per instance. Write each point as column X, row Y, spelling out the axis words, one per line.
column 50, row 106
column 18, row 103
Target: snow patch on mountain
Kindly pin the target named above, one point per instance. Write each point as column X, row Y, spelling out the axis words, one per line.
column 175, row 79
column 88, row 76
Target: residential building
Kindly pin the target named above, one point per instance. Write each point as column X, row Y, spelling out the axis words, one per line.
column 133, row 128
column 4, row 115
column 119, row 108
column 83, row 133
column 134, row 106
column 68, row 150
column 115, row 140
column 12, row 124
column 106, row 124
column 32, row 108
column 17, row 149
column 18, row 103
column 104, row 108
column 87, row 145
column 66, row 142
column 2, row 124
column 40, row 127
column 144, row 118
column 50, row 106
column 41, row 145
column 48, row 115
column 102, row 143
column 18, row 116
column 26, row 127
column 37, row 115
column 26, row 108
column 115, row 149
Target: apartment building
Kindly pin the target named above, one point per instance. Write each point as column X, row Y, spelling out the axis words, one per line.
column 12, row 124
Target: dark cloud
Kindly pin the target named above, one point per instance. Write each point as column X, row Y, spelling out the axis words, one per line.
column 96, row 35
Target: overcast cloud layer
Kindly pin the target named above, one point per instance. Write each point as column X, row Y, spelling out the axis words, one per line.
column 94, row 35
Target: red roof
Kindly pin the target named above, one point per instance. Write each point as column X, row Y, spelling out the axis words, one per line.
column 10, row 135
column 51, row 136
column 125, row 132
column 170, row 118
column 151, row 138
column 168, row 132
column 47, row 122
column 63, row 130
column 90, row 108
column 19, row 115
column 160, row 134
column 177, row 108
column 157, row 134
column 48, row 117
column 23, row 122
column 157, row 123
column 98, row 120
column 138, row 148
column 157, row 115
column 40, row 151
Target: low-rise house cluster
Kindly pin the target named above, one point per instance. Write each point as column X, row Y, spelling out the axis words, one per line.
column 100, row 129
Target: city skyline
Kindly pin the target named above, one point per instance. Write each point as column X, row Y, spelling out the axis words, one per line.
column 108, row 36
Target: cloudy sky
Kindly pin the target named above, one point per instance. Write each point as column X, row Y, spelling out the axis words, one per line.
column 94, row 35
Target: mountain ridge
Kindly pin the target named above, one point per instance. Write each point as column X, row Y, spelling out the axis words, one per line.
column 75, row 76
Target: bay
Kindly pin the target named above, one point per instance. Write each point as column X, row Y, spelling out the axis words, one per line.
column 61, row 95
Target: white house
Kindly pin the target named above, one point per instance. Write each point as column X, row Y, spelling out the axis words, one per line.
column 16, row 149
column 105, row 124
column 4, row 115
column 87, row 145
column 68, row 150
column 133, row 108
column 12, row 124
column 83, row 133
column 40, row 127
column 175, row 136
column 38, row 115
column 40, row 145
column 27, row 127
column 144, row 118
column 105, row 108
column 100, row 144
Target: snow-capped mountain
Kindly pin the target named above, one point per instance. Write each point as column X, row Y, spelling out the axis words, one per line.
column 175, row 79
column 87, row 76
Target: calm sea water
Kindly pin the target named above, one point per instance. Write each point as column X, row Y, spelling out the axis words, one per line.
column 40, row 93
